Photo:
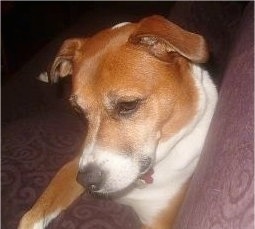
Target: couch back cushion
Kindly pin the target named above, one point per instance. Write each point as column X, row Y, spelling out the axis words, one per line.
column 222, row 189
column 216, row 21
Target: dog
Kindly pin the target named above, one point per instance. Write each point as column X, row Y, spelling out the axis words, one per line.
column 149, row 104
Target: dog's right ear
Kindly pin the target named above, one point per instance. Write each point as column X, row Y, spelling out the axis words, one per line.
column 161, row 38
column 63, row 64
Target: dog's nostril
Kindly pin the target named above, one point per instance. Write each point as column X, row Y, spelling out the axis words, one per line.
column 91, row 177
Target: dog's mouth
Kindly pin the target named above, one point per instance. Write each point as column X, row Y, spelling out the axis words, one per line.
column 142, row 181
column 145, row 178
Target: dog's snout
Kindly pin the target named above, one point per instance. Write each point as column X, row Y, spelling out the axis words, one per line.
column 91, row 177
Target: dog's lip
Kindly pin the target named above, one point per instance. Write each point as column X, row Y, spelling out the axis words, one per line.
column 146, row 176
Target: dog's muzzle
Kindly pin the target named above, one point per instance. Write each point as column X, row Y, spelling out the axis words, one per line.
column 93, row 177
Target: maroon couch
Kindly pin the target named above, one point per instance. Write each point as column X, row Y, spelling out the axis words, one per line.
column 40, row 133
column 222, row 191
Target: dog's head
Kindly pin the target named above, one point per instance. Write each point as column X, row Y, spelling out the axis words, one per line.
column 134, row 85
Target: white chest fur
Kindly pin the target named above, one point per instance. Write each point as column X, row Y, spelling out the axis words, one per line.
column 176, row 158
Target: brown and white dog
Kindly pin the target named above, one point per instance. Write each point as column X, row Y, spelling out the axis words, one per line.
column 149, row 105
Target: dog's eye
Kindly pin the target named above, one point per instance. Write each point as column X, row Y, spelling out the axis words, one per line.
column 127, row 107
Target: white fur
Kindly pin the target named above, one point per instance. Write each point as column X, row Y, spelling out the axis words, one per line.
column 120, row 25
column 122, row 170
column 87, row 154
column 43, row 77
column 177, row 157
column 42, row 223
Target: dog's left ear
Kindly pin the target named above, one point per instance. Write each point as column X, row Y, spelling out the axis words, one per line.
column 162, row 37
column 63, row 64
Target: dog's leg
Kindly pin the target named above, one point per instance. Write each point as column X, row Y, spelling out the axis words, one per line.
column 60, row 193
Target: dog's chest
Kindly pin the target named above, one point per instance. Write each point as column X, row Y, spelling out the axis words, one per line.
column 149, row 201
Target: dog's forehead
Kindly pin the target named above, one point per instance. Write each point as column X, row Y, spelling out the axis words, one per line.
column 115, row 62
column 112, row 64
column 123, row 72
column 90, row 57
column 107, row 39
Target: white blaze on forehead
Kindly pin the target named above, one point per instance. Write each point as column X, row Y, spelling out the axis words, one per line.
column 120, row 25
column 87, row 156
column 88, row 152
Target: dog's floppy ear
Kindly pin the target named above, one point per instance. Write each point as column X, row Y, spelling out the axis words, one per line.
column 162, row 37
column 63, row 64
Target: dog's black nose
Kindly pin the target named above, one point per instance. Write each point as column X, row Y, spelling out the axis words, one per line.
column 91, row 177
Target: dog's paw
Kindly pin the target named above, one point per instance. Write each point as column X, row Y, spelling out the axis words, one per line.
column 33, row 220
column 28, row 222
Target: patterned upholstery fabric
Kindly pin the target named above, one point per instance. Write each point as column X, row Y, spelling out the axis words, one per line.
column 222, row 190
column 217, row 22
column 33, row 150
column 40, row 134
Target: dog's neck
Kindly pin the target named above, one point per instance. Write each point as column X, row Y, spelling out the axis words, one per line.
column 176, row 158
column 200, row 123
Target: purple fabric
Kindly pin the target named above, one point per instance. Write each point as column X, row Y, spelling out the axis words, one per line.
column 91, row 213
column 222, row 191
column 33, row 150
column 216, row 21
